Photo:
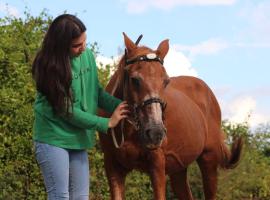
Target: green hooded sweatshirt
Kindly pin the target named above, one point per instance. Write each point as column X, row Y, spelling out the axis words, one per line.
column 78, row 130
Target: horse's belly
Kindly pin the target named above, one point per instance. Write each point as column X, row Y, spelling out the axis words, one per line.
column 185, row 143
column 173, row 164
column 179, row 158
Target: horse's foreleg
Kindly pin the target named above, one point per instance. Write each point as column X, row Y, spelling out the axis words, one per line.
column 180, row 185
column 157, row 174
column 208, row 166
column 116, row 175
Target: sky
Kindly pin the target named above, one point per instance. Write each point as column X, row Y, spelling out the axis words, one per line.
column 226, row 43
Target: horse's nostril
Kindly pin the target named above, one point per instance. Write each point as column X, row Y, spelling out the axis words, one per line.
column 148, row 133
column 154, row 135
column 159, row 137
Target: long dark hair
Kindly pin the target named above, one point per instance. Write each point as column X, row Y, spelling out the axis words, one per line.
column 51, row 68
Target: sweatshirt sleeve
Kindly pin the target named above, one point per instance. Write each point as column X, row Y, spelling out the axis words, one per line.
column 107, row 101
column 78, row 117
column 87, row 120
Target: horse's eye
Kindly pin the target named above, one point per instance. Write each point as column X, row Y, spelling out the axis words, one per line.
column 166, row 82
column 136, row 82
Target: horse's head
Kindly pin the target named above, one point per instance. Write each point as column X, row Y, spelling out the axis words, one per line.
column 143, row 80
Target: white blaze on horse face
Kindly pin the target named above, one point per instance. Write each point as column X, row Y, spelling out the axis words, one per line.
column 156, row 112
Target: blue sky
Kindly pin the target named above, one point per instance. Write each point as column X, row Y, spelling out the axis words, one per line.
column 224, row 42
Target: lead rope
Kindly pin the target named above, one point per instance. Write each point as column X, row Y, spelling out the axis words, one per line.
column 122, row 134
column 122, row 124
column 115, row 141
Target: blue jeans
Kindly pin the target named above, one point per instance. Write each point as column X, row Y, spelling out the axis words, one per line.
column 65, row 172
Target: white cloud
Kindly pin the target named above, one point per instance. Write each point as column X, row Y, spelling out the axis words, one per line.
column 240, row 109
column 253, row 45
column 215, row 45
column 139, row 6
column 10, row 10
column 243, row 109
column 177, row 64
column 209, row 47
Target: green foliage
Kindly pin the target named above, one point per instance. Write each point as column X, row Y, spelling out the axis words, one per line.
column 20, row 177
column 98, row 182
column 104, row 74
column 250, row 180
column 104, row 71
column 138, row 186
column 20, row 38
column 261, row 140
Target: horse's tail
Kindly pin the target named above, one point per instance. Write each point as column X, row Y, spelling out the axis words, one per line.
column 231, row 157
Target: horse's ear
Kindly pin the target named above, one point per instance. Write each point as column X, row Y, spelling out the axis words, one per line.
column 163, row 48
column 128, row 43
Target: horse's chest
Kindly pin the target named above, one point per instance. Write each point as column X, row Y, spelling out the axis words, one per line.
column 131, row 157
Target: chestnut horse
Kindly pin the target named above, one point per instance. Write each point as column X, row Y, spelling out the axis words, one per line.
column 173, row 122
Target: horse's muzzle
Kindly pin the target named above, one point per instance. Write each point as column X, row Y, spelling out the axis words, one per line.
column 152, row 136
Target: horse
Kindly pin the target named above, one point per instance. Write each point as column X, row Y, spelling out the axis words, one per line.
column 172, row 122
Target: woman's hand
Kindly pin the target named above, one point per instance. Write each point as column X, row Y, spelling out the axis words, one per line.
column 119, row 113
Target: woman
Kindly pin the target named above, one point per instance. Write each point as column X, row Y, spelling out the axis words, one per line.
column 68, row 94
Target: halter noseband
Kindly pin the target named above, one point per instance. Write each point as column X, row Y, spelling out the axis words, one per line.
column 150, row 101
